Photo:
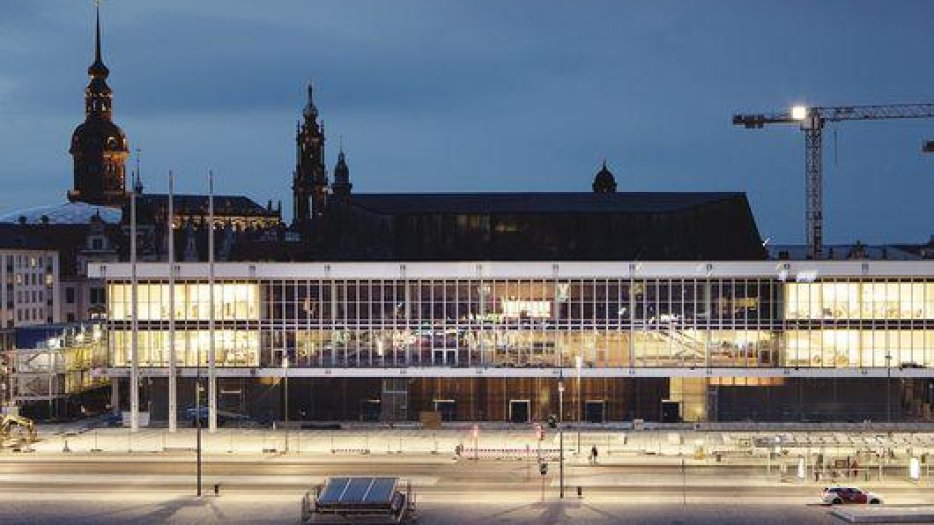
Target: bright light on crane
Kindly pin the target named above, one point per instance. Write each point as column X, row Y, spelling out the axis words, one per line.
column 811, row 120
column 799, row 112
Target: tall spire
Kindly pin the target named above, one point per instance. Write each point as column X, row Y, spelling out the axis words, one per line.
column 97, row 41
column 310, row 182
column 98, row 146
column 311, row 111
column 98, row 69
column 342, row 186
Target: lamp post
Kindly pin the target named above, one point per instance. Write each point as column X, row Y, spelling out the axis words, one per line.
column 888, row 386
column 285, row 370
column 561, row 435
column 560, row 398
column 198, row 417
column 578, row 363
column 561, row 460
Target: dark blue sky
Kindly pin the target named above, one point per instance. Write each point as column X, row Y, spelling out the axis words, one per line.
column 488, row 96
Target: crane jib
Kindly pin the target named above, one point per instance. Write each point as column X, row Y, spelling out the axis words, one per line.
column 811, row 120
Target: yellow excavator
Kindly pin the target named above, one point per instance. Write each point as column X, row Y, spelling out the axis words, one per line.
column 17, row 431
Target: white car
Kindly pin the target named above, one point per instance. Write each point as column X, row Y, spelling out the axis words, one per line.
column 841, row 495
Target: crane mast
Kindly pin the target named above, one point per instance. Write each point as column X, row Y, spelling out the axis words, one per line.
column 811, row 121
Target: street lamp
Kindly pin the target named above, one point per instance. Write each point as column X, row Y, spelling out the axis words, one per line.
column 579, row 363
column 560, row 398
column 198, row 415
column 888, row 386
column 285, row 370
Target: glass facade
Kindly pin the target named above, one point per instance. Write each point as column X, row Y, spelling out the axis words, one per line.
column 236, row 316
column 741, row 322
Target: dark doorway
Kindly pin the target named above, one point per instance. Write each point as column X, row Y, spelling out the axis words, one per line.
column 671, row 411
column 446, row 407
column 519, row 410
column 595, row 411
column 370, row 409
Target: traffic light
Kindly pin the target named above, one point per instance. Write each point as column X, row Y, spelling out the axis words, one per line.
column 552, row 421
column 543, row 468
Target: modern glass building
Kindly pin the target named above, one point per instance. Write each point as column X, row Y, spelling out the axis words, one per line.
column 522, row 340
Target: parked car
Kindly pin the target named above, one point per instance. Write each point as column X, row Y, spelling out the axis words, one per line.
column 842, row 495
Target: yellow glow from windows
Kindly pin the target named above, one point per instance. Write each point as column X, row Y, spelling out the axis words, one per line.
column 527, row 309
column 231, row 347
column 859, row 300
column 232, row 301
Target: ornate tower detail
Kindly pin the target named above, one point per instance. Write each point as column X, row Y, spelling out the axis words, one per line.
column 341, row 187
column 310, row 180
column 604, row 182
column 98, row 146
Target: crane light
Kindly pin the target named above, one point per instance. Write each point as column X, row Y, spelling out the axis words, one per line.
column 799, row 112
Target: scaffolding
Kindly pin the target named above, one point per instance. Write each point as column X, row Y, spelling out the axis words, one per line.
column 59, row 367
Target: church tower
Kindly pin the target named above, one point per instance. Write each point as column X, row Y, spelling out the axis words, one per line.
column 98, row 146
column 310, row 180
column 342, row 186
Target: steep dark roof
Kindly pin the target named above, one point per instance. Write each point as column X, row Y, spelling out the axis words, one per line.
column 543, row 226
column 223, row 204
column 535, row 203
column 32, row 237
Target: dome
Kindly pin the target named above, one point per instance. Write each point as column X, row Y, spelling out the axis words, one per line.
column 604, row 181
column 98, row 70
column 67, row 213
column 98, row 134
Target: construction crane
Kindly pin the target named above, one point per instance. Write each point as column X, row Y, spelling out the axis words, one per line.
column 812, row 120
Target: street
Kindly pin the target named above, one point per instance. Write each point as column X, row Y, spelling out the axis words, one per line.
column 267, row 489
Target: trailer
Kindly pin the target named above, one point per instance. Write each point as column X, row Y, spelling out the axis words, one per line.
column 363, row 500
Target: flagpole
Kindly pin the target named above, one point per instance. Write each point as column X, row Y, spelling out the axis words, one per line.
column 212, row 365
column 134, row 346
column 173, row 380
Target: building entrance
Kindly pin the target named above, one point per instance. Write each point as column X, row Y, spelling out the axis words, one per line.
column 519, row 410
column 595, row 411
column 446, row 407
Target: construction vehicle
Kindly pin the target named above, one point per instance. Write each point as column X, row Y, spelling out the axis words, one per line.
column 812, row 120
column 17, row 431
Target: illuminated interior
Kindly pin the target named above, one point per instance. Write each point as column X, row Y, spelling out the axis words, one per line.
column 234, row 301
column 232, row 347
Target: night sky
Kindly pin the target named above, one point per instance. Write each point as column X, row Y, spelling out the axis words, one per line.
column 433, row 96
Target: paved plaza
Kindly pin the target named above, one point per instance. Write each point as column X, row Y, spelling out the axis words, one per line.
column 674, row 474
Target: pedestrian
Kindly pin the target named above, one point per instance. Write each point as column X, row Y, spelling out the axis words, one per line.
column 593, row 454
column 854, row 466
